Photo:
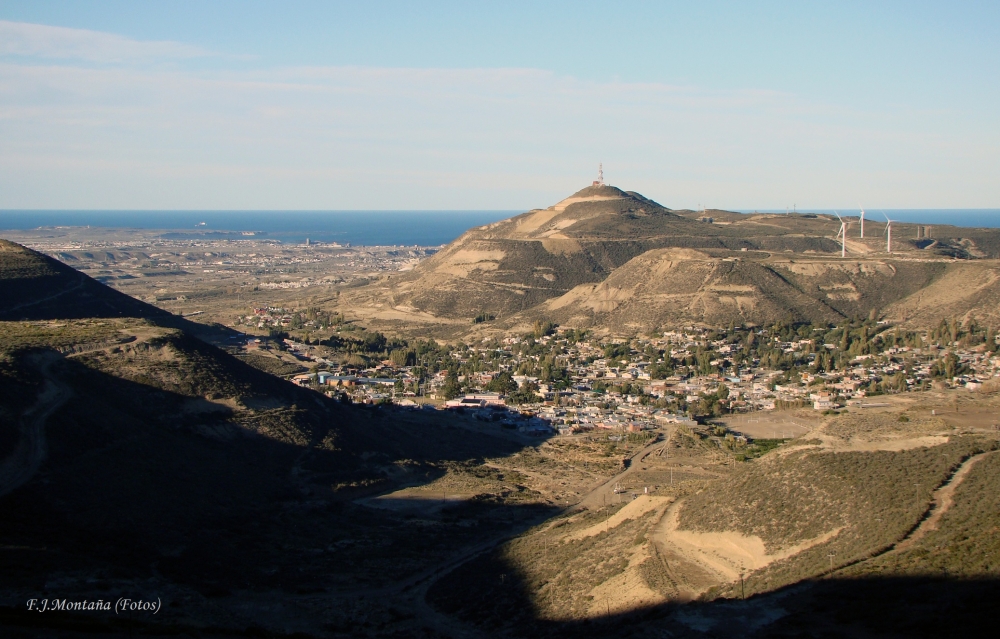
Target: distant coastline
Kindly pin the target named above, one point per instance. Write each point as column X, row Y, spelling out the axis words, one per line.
column 359, row 228
column 374, row 228
column 973, row 218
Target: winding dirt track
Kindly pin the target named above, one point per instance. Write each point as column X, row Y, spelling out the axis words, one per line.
column 77, row 286
column 415, row 589
column 412, row 592
column 941, row 502
column 23, row 463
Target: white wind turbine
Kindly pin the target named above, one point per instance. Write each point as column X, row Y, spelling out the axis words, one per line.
column 888, row 233
column 842, row 234
column 862, row 221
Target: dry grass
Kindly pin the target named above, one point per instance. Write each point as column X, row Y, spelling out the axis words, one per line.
column 873, row 426
column 876, row 497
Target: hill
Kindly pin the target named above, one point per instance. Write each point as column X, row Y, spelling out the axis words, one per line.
column 35, row 286
column 608, row 258
column 672, row 287
column 138, row 460
column 782, row 546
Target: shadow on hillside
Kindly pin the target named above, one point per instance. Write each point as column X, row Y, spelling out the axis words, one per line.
column 46, row 289
column 496, row 602
column 142, row 485
column 139, row 497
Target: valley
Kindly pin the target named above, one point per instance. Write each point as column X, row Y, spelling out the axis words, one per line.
column 603, row 417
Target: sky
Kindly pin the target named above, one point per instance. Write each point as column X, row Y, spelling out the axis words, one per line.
column 436, row 105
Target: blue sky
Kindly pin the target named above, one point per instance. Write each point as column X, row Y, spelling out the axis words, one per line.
column 325, row 105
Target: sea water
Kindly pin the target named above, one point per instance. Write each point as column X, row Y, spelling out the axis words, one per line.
column 976, row 218
column 365, row 228
column 373, row 228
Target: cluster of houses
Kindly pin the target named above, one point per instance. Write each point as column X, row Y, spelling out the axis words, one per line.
column 280, row 318
column 621, row 394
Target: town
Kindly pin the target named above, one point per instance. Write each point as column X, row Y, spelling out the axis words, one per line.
column 557, row 379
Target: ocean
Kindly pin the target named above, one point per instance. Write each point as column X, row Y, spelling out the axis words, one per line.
column 373, row 228
column 976, row 218
column 364, row 228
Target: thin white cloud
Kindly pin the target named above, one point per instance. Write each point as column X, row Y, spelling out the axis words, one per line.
column 75, row 136
column 44, row 41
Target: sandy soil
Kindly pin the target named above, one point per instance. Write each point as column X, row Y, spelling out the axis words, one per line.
column 891, row 444
column 627, row 590
column 539, row 219
column 821, row 268
column 725, row 554
column 774, row 424
column 633, row 510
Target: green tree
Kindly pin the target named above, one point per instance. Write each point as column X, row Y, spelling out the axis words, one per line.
column 403, row 357
column 451, row 388
column 543, row 328
column 502, row 383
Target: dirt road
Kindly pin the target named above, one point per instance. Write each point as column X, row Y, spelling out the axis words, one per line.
column 941, row 502
column 24, row 462
column 603, row 493
column 75, row 287
column 414, row 590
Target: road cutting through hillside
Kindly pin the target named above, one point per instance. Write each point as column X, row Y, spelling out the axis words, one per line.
column 412, row 592
column 75, row 287
column 725, row 554
column 23, row 463
column 941, row 502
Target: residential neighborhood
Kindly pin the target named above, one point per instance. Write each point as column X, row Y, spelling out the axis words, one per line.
column 566, row 381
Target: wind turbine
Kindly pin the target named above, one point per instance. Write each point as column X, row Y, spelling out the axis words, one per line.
column 888, row 233
column 842, row 234
column 862, row 221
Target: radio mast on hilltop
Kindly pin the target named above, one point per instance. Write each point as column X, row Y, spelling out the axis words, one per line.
column 600, row 175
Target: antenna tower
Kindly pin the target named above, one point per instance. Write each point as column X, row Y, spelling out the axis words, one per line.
column 600, row 173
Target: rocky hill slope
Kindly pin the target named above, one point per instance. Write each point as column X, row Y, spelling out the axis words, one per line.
column 608, row 258
column 137, row 460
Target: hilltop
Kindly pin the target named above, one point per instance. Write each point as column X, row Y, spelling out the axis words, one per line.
column 35, row 286
column 611, row 259
column 138, row 460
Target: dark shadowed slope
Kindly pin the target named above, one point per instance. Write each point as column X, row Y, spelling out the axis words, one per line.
column 35, row 286
column 139, row 460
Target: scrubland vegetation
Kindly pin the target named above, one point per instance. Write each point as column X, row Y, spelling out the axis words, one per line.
column 965, row 541
column 231, row 485
column 875, row 498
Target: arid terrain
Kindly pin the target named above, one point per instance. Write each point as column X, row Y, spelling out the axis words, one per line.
column 148, row 448
column 216, row 278
column 612, row 260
